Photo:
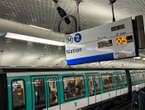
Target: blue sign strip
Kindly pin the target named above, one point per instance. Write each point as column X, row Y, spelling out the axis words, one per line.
column 103, row 57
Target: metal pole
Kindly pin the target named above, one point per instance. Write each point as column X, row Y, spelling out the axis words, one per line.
column 112, row 6
column 129, row 84
column 78, row 14
column 113, row 14
column 78, row 17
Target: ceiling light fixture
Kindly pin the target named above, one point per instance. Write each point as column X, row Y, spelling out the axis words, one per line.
column 137, row 58
column 143, row 59
column 33, row 39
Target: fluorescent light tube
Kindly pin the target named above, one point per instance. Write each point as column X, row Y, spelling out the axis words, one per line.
column 33, row 39
column 137, row 58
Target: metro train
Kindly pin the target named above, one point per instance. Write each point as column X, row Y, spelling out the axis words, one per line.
column 66, row 90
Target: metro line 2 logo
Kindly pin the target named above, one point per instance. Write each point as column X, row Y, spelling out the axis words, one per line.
column 77, row 38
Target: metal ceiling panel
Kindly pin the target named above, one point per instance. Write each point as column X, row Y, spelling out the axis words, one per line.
column 44, row 13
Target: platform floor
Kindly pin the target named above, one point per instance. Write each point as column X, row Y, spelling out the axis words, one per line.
column 125, row 107
column 122, row 106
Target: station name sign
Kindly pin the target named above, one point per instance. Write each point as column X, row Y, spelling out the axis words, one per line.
column 105, row 42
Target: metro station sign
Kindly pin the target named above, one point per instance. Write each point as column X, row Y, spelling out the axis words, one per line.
column 106, row 42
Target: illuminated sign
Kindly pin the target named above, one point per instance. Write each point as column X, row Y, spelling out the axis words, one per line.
column 105, row 42
column 124, row 40
column 116, row 28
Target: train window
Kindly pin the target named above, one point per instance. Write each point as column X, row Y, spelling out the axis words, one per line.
column 53, row 94
column 74, row 87
column 125, row 80
column 39, row 89
column 97, row 85
column 121, row 81
column 69, row 88
column 108, row 82
column 132, row 78
column 141, row 77
column 80, row 86
column 117, row 80
column 137, row 78
column 18, row 95
column 91, row 85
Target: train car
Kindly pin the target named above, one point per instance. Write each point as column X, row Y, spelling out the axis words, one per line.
column 137, row 78
column 70, row 90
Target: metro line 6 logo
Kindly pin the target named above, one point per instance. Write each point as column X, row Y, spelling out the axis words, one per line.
column 121, row 40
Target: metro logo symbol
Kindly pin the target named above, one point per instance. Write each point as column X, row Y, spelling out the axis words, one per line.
column 77, row 38
column 121, row 40
column 69, row 39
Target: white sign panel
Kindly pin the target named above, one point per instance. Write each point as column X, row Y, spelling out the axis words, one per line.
column 105, row 42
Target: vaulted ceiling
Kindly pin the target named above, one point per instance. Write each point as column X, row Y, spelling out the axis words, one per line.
column 43, row 13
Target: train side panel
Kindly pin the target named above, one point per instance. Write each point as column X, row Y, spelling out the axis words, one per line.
column 19, row 93
column 68, row 91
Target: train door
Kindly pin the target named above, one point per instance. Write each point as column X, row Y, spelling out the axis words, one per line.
column 118, row 90
column 97, row 79
column 44, row 92
column 91, row 86
column 39, row 93
column 108, row 86
column 119, row 83
column 125, row 90
column 133, row 80
column 52, row 93
column 19, row 90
